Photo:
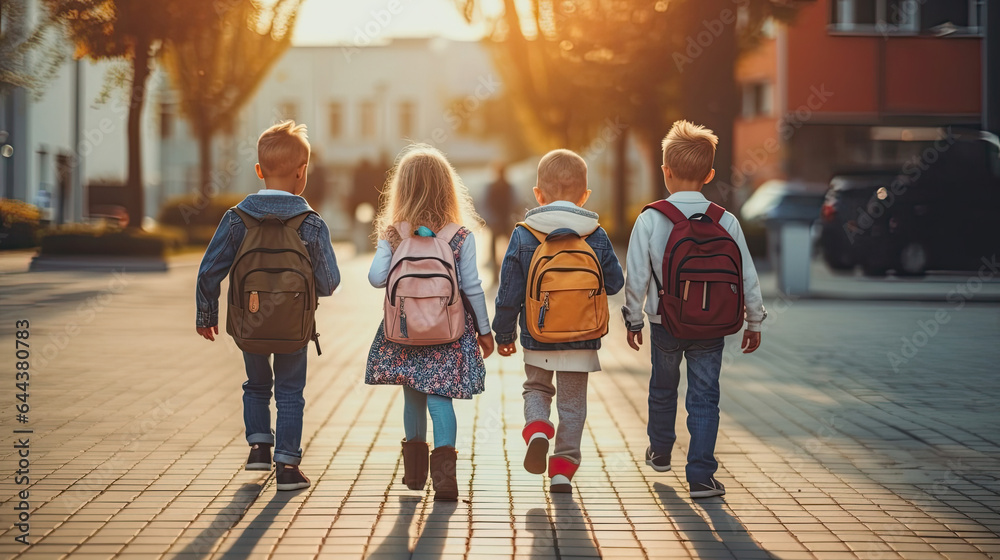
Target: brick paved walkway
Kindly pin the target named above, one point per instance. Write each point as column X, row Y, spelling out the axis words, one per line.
column 826, row 451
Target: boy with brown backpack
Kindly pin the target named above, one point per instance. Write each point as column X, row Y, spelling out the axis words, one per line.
column 277, row 252
column 555, row 278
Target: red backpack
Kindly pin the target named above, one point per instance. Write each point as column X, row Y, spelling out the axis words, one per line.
column 701, row 295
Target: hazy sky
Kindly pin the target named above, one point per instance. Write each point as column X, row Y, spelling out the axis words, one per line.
column 340, row 21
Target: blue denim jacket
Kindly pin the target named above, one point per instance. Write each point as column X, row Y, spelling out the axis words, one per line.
column 228, row 237
column 514, row 280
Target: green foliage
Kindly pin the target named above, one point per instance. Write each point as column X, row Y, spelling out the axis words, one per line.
column 197, row 210
column 89, row 240
column 18, row 224
column 29, row 56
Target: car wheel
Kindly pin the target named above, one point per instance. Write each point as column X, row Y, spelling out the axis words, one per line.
column 839, row 263
column 874, row 266
column 912, row 260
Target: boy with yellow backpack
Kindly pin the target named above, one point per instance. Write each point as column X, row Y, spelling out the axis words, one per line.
column 555, row 280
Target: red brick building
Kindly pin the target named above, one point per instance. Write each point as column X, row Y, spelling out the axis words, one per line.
column 840, row 86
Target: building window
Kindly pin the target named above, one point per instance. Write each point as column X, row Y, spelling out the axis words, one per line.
column 906, row 17
column 336, row 119
column 947, row 17
column 288, row 111
column 757, row 100
column 368, row 123
column 407, row 118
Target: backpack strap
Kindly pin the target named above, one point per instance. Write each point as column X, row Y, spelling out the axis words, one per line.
column 295, row 222
column 404, row 229
column 448, row 232
column 249, row 221
column 538, row 235
column 715, row 212
column 667, row 209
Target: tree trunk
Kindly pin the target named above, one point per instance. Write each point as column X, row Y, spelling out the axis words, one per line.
column 205, row 163
column 135, row 205
column 710, row 95
column 620, row 188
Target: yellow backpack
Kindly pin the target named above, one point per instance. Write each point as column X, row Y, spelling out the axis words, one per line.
column 565, row 299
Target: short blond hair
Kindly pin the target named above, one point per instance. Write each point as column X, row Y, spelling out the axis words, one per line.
column 562, row 175
column 282, row 149
column 689, row 150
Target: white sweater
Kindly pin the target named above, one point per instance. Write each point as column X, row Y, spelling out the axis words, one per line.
column 647, row 245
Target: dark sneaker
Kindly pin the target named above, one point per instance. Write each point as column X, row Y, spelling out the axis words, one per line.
column 712, row 489
column 291, row 478
column 660, row 463
column 260, row 457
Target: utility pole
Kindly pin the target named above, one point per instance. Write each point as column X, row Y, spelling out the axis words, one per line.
column 991, row 66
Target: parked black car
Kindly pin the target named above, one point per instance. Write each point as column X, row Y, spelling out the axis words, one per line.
column 941, row 212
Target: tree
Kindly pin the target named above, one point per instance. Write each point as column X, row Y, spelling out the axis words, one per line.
column 134, row 30
column 29, row 55
column 573, row 64
column 218, row 70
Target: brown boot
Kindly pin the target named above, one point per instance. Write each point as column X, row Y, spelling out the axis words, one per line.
column 414, row 464
column 443, row 473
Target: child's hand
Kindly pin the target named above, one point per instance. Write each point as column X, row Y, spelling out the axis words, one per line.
column 635, row 339
column 485, row 344
column 751, row 341
column 507, row 349
column 208, row 332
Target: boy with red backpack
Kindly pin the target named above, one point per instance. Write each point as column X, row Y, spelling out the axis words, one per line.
column 688, row 263
column 277, row 253
column 555, row 280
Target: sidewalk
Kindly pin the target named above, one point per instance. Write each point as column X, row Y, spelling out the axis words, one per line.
column 827, row 449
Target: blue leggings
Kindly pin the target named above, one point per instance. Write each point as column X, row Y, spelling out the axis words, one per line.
column 416, row 405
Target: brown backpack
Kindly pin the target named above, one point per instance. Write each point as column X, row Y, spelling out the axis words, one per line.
column 272, row 290
column 565, row 299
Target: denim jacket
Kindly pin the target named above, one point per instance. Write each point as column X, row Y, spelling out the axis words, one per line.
column 517, row 261
column 226, row 242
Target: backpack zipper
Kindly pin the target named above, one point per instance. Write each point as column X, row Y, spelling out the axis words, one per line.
column 538, row 283
column 541, row 313
column 402, row 318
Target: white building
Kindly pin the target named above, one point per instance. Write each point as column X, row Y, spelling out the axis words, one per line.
column 359, row 103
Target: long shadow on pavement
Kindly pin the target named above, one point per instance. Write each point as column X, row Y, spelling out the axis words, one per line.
column 202, row 545
column 258, row 526
column 430, row 543
column 566, row 534
column 725, row 532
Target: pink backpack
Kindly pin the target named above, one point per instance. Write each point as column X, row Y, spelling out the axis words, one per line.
column 423, row 302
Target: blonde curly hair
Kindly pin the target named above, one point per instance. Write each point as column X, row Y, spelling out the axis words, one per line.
column 424, row 190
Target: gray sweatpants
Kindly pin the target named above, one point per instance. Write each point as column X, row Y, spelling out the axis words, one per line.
column 570, row 392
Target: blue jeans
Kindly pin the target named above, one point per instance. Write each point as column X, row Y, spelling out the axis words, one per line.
column 288, row 379
column 704, row 362
column 416, row 405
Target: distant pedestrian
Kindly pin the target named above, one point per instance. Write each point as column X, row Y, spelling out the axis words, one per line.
column 701, row 288
column 500, row 200
column 556, row 276
column 426, row 199
column 284, row 261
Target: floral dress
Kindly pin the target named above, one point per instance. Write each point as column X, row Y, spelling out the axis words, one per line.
column 453, row 370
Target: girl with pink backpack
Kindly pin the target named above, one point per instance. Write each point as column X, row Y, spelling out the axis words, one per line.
column 436, row 331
